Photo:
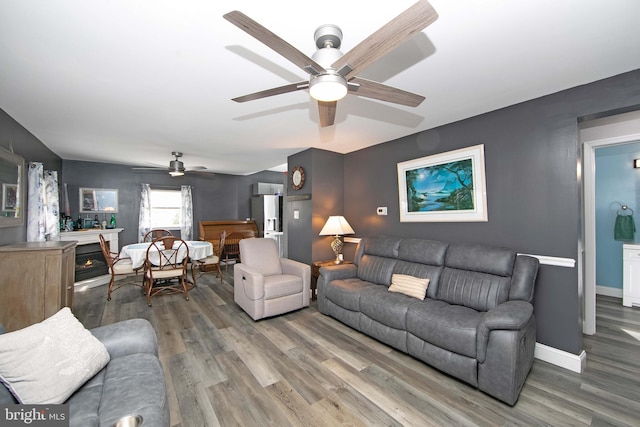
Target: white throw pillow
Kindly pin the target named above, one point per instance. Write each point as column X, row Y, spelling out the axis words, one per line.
column 46, row 362
column 409, row 285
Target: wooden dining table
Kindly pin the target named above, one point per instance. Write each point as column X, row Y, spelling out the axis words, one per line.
column 138, row 251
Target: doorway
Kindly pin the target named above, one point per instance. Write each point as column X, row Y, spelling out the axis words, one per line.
column 599, row 133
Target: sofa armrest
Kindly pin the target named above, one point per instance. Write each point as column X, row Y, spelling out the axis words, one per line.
column 128, row 337
column 340, row 271
column 510, row 315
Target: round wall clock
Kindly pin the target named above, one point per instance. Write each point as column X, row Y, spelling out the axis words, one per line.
column 297, row 178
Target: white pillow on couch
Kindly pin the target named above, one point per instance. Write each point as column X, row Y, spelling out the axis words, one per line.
column 412, row 286
column 47, row 362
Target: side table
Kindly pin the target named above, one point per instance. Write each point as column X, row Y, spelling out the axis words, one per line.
column 315, row 273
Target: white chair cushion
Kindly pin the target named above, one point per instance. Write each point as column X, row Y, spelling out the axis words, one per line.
column 123, row 266
column 164, row 274
column 209, row 260
column 262, row 255
column 281, row 285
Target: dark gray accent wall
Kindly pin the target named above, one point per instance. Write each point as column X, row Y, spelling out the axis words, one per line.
column 532, row 155
column 324, row 176
column 215, row 197
column 328, row 199
column 25, row 144
column 298, row 231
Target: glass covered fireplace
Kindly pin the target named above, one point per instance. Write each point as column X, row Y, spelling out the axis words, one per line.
column 90, row 262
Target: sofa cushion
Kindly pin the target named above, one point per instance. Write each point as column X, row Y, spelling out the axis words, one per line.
column 481, row 258
column 422, row 251
column 346, row 293
column 133, row 384
column 382, row 246
column 376, row 269
column 451, row 327
column 479, row 291
column 409, row 285
column 46, row 362
column 390, row 309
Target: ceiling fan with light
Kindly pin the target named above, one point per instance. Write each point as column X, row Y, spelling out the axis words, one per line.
column 176, row 167
column 332, row 74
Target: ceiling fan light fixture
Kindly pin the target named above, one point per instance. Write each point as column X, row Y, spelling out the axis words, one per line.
column 328, row 87
column 176, row 167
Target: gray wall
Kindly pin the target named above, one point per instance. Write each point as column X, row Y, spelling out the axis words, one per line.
column 28, row 146
column 298, row 231
column 533, row 193
column 324, row 183
column 215, row 197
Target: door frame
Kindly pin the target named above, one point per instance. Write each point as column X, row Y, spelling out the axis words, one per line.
column 615, row 130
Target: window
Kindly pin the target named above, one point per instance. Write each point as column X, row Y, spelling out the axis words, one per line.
column 166, row 208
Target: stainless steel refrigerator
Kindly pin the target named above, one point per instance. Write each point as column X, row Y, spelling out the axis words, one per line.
column 266, row 211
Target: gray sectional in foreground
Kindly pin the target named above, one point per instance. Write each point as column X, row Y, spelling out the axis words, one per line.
column 476, row 322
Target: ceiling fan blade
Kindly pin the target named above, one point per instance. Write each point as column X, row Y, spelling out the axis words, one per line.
column 375, row 90
column 273, row 41
column 148, row 169
column 327, row 112
column 275, row 91
column 395, row 32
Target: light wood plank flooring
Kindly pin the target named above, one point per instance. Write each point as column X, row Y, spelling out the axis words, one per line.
column 306, row 369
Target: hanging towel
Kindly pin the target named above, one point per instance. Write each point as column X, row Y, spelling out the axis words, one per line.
column 625, row 228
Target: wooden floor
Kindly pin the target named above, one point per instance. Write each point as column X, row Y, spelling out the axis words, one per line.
column 306, row 369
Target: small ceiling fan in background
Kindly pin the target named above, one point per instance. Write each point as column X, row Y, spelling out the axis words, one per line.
column 332, row 73
column 176, row 167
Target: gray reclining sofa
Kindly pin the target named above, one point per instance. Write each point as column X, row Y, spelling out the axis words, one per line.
column 132, row 383
column 476, row 322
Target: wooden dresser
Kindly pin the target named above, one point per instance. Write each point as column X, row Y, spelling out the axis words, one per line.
column 36, row 281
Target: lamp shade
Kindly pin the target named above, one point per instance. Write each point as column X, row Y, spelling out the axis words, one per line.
column 336, row 226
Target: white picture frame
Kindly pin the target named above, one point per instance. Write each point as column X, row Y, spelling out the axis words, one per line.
column 445, row 187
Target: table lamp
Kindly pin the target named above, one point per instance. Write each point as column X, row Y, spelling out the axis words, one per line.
column 336, row 226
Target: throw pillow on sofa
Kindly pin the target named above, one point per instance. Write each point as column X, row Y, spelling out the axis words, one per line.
column 46, row 362
column 409, row 285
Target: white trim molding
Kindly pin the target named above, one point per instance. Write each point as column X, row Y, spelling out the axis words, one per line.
column 556, row 261
column 563, row 359
column 609, row 291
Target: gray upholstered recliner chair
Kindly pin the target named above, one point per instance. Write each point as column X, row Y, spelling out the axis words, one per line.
column 266, row 285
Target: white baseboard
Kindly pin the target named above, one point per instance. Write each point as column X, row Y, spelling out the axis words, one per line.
column 609, row 291
column 563, row 359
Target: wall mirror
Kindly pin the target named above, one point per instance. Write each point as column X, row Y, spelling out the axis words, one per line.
column 12, row 182
column 98, row 200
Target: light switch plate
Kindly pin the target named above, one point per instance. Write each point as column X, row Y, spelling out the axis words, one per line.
column 296, row 214
column 382, row 210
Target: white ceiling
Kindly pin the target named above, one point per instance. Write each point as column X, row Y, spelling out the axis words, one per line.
column 129, row 82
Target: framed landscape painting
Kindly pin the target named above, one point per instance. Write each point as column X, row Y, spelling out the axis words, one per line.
column 446, row 187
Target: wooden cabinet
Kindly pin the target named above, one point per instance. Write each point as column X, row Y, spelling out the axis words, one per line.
column 36, row 281
column 631, row 275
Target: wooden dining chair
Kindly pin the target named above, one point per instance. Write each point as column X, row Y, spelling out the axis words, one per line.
column 232, row 248
column 156, row 234
column 117, row 266
column 213, row 261
column 165, row 267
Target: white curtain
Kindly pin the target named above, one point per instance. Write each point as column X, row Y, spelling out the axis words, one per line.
column 43, row 219
column 144, row 222
column 186, row 226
